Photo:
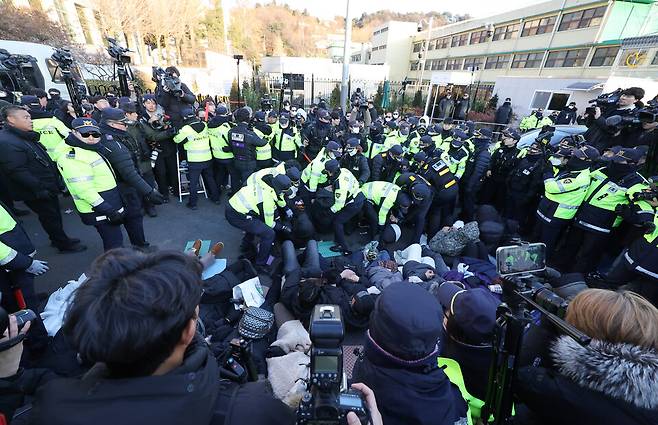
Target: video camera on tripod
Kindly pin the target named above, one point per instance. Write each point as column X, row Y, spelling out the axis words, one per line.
column 14, row 64
column 605, row 100
column 523, row 291
column 66, row 64
column 167, row 81
column 122, row 70
column 327, row 401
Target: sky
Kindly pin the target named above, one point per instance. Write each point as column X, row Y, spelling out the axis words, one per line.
column 476, row 8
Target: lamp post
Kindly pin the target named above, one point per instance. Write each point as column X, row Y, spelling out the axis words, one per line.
column 237, row 59
column 423, row 59
column 347, row 44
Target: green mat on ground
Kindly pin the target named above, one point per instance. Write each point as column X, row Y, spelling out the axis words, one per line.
column 323, row 249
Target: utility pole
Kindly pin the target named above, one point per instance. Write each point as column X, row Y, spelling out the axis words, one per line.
column 346, row 58
column 424, row 58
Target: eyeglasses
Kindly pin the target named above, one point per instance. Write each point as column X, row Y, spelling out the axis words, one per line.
column 93, row 134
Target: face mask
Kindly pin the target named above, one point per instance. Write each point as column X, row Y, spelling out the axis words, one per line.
column 422, row 130
column 293, row 192
column 556, row 162
column 404, row 132
column 351, row 152
column 332, row 156
column 395, row 116
column 355, row 130
column 455, row 145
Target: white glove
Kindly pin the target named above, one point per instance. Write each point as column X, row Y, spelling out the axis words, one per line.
column 38, row 267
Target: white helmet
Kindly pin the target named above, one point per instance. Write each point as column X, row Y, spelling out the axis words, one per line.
column 301, row 113
column 424, row 121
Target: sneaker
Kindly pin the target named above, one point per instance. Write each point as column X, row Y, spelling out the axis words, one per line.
column 69, row 249
column 217, row 248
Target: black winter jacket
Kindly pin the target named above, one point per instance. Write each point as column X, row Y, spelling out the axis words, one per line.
column 478, row 164
column 190, row 394
column 358, row 165
column 173, row 105
column 25, row 166
column 566, row 116
column 603, row 383
column 122, row 160
column 504, row 113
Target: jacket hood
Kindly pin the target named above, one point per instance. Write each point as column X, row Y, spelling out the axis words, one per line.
column 620, row 371
column 36, row 114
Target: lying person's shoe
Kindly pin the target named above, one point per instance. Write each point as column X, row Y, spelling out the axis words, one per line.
column 217, row 248
column 196, row 246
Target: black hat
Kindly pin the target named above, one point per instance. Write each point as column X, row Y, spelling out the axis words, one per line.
column 352, row 142
column 113, row 114
column 242, row 115
column 128, row 107
column 458, row 134
column 420, row 157
column 332, row 166
column 31, row 102
column 485, row 133
column 221, row 111
column 392, row 125
column 281, row 183
column 420, row 191
column 333, row 147
column 396, row 150
column 363, row 303
column 188, row 113
column 259, row 116
column 85, row 125
column 53, row 91
column 272, row 114
column 426, row 140
column 632, row 156
column 511, row 133
column 410, row 334
column 587, row 153
column 322, row 114
column 335, row 115
column 447, row 120
column 293, row 174
column 403, row 200
column 473, row 310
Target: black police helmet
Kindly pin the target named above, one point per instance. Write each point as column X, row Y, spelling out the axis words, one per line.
column 420, row 191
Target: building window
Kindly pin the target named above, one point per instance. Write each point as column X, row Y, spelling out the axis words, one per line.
column 356, row 58
column 432, row 44
column 632, row 57
column 582, row 19
column 655, row 59
column 604, row 56
column 428, row 65
column 443, row 43
column 472, row 64
column 414, row 66
column 538, row 26
column 417, row 47
column 479, row 37
column 84, row 24
column 453, row 64
column 497, row 62
column 527, row 60
column 566, row 58
column 438, row 64
column 459, row 40
column 506, row 32
column 549, row 100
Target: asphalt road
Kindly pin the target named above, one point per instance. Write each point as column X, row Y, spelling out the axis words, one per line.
column 171, row 229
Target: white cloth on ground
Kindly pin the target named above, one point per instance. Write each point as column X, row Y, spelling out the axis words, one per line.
column 58, row 302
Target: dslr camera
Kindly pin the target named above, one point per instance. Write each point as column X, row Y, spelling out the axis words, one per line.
column 324, row 403
column 266, row 103
column 117, row 52
column 607, row 100
column 167, row 81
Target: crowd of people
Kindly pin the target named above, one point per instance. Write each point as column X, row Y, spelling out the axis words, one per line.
column 416, row 209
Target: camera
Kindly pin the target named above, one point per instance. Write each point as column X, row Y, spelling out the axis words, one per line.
column 167, row 81
column 324, row 402
column 237, row 364
column 117, row 52
column 607, row 100
column 266, row 103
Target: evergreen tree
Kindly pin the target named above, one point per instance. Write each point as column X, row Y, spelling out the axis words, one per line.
column 418, row 99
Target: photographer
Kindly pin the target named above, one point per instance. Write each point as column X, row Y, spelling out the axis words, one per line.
column 399, row 361
column 135, row 318
column 610, row 381
column 174, row 102
column 159, row 135
column 598, row 133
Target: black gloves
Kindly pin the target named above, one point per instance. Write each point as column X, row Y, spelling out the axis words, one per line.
column 155, row 197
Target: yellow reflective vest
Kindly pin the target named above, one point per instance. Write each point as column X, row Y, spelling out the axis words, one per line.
column 52, row 134
column 197, row 144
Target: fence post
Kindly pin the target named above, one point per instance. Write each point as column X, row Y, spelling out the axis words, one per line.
column 349, row 91
column 312, row 89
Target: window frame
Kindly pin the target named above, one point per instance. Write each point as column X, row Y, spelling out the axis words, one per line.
column 459, row 40
column 505, row 64
column 480, row 36
column 582, row 20
column 478, row 61
column 512, row 34
column 455, row 64
column 546, row 27
column 527, row 59
column 443, row 43
column 419, row 45
column 568, row 57
column 604, row 58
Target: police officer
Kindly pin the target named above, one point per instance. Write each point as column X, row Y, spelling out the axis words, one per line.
column 51, row 130
column 419, row 130
column 265, row 132
column 504, row 159
column 596, row 218
column 253, row 209
column 18, row 267
column 564, row 191
column 313, row 175
column 445, row 191
column 524, row 189
column 218, row 129
column 90, row 180
column 31, row 176
column 445, row 135
column 375, row 140
column 385, row 203
column 387, row 165
column 286, row 141
column 243, row 143
column 458, row 153
column 196, row 141
column 348, row 201
column 130, row 183
column 420, row 193
column 354, row 160
column 317, row 134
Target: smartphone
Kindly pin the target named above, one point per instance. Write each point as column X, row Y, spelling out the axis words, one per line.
column 524, row 258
